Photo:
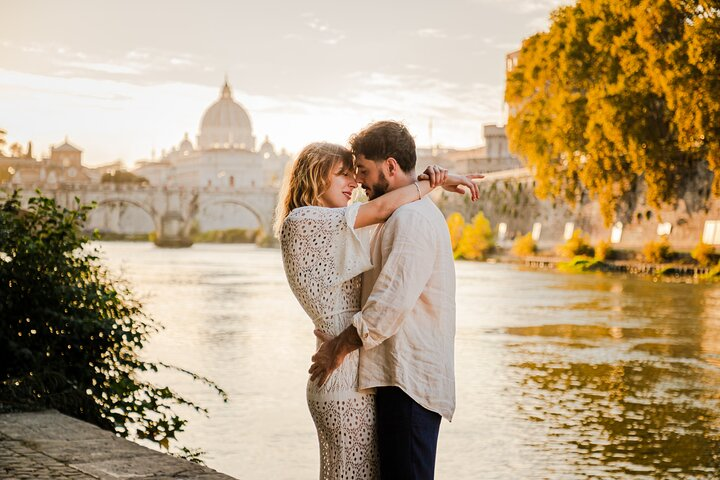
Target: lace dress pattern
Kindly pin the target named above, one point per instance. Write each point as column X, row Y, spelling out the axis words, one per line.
column 323, row 257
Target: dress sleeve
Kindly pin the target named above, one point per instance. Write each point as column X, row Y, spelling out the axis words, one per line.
column 325, row 241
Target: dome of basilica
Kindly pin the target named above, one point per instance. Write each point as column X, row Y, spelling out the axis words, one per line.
column 226, row 124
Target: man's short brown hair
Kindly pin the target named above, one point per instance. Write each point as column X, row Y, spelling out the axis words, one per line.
column 385, row 139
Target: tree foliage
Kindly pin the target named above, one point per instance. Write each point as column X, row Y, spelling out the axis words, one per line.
column 524, row 246
column 456, row 224
column 657, row 251
column 70, row 334
column 476, row 240
column 577, row 244
column 617, row 93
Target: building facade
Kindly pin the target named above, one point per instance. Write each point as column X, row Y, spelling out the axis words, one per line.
column 224, row 154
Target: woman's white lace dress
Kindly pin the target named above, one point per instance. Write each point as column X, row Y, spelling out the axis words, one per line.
column 324, row 257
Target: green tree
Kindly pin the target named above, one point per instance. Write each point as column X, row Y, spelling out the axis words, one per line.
column 70, row 334
column 477, row 239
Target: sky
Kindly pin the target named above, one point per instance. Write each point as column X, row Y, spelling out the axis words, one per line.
column 122, row 80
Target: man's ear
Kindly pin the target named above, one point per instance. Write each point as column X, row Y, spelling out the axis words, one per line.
column 392, row 166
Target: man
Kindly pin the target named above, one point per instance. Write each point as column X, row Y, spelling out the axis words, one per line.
column 406, row 328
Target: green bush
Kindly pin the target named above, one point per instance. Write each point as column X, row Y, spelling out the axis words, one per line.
column 657, row 251
column 70, row 333
column 577, row 245
column 524, row 246
column 703, row 254
column 582, row 264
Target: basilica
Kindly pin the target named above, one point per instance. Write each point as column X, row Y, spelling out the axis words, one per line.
column 224, row 154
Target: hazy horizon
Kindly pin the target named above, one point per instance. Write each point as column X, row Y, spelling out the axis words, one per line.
column 124, row 79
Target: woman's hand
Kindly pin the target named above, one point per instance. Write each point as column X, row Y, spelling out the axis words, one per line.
column 452, row 182
column 458, row 183
column 435, row 174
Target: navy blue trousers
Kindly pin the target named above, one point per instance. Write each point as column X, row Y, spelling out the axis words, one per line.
column 407, row 436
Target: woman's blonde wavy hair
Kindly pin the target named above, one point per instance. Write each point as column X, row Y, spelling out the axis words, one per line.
column 308, row 177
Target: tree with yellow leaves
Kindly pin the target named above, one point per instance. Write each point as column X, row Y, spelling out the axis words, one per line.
column 456, row 224
column 477, row 239
column 618, row 94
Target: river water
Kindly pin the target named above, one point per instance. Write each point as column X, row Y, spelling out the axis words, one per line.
column 558, row 376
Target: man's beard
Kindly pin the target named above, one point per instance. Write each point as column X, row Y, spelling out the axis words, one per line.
column 378, row 188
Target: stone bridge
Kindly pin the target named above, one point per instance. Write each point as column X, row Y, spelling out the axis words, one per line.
column 173, row 210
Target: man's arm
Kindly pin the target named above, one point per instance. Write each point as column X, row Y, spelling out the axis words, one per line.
column 402, row 279
column 332, row 352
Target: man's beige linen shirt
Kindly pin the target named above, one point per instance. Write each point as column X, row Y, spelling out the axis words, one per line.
column 407, row 323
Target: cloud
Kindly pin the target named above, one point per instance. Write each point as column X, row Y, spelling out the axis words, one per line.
column 431, row 33
column 525, row 6
column 140, row 64
column 104, row 67
column 539, row 24
column 329, row 35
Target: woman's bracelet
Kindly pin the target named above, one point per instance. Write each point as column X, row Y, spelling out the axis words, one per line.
column 417, row 185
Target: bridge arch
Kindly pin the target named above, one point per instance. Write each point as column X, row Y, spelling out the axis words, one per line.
column 119, row 200
column 232, row 201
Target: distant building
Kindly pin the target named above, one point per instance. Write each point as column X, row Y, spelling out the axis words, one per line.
column 224, row 155
column 511, row 61
column 63, row 166
column 492, row 157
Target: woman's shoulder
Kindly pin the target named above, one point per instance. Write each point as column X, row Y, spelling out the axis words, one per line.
column 314, row 213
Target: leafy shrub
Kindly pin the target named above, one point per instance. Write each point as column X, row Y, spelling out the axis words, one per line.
column 70, row 334
column 456, row 224
column 582, row 264
column 476, row 240
column 576, row 245
column 524, row 246
column 658, row 251
column 703, row 254
column 713, row 275
column 604, row 251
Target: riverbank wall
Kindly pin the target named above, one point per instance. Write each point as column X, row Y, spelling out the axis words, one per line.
column 50, row 445
column 508, row 198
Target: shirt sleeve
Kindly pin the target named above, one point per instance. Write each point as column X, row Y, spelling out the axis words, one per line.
column 408, row 264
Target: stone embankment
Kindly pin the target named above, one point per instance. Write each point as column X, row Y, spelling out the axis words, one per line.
column 675, row 270
column 50, row 445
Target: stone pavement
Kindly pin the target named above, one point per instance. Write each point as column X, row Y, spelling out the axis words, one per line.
column 50, row 445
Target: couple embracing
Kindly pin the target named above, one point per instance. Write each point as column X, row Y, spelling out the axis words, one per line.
column 378, row 281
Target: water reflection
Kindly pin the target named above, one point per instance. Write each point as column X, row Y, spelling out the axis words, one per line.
column 634, row 393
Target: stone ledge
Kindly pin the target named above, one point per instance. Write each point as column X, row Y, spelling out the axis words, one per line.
column 51, row 445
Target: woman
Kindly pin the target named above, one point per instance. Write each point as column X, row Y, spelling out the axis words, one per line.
column 325, row 248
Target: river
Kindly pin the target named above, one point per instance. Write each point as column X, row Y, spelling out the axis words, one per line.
column 558, row 375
